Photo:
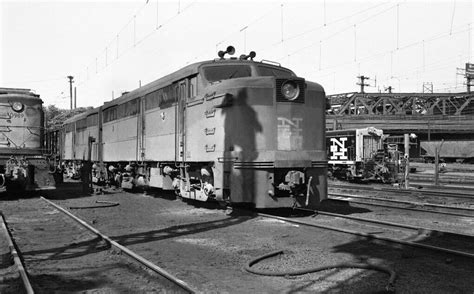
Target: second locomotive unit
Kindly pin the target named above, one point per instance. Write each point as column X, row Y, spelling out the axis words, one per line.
column 230, row 129
column 361, row 154
column 23, row 165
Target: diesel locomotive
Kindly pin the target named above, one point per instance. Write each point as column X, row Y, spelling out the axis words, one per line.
column 230, row 129
column 364, row 154
column 23, row 164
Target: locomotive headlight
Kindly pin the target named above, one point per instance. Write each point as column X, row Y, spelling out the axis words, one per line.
column 17, row 106
column 290, row 90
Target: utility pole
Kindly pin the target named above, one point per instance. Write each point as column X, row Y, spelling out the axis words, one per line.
column 362, row 84
column 70, row 87
column 75, row 97
column 436, row 169
column 469, row 75
column 407, row 160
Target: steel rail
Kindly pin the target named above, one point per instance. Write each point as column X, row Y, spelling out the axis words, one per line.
column 127, row 251
column 400, row 207
column 447, row 177
column 434, row 188
column 435, row 193
column 16, row 258
column 443, row 181
column 387, row 223
column 370, row 236
column 402, row 202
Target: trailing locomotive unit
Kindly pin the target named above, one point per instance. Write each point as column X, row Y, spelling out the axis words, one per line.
column 359, row 154
column 23, row 165
column 232, row 130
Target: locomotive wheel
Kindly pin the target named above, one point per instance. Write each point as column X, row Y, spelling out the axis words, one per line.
column 330, row 175
column 348, row 175
column 177, row 193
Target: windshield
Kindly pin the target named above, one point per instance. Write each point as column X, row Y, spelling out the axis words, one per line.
column 274, row 72
column 225, row 72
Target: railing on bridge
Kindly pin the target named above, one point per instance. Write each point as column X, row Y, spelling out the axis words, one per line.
column 444, row 104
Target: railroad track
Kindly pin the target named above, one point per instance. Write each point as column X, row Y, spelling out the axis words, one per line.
column 467, row 181
column 437, row 191
column 404, row 205
column 210, row 247
column 391, row 232
column 52, row 251
column 451, row 202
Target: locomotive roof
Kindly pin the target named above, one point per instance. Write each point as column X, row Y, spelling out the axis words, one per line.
column 152, row 86
column 184, row 72
column 18, row 93
column 81, row 115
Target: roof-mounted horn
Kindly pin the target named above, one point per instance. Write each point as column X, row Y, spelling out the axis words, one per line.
column 251, row 55
column 230, row 50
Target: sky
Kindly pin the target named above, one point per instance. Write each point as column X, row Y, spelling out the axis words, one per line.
column 110, row 47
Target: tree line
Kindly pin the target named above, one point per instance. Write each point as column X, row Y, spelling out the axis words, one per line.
column 54, row 117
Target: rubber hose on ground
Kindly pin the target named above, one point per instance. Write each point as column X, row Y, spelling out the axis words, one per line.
column 390, row 272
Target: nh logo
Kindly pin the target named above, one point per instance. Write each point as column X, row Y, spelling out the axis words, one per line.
column 338, row 148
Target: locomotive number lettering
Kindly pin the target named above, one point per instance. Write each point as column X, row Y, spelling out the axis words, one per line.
column 289, row 133
column 338, row 148
column 16, row 115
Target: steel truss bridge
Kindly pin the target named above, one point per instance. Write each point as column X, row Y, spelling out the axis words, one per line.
column 442, row 115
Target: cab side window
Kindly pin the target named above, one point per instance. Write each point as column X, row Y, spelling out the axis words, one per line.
column 192, row 88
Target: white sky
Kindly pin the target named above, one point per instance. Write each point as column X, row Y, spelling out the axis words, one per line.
column 397, row 43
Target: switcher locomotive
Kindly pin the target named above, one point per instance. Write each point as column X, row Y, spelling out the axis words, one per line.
column 23, row 165
column 230, row 129
column 361, row 155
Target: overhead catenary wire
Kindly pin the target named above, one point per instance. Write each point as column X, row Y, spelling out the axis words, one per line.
column 452, row 17
column 285, row 35
column 391, row 51
column 247, row 25
column 135, row 42
column 301, row 34
column 346, row 28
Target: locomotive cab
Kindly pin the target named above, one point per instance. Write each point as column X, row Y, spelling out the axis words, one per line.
column 22, row 163
column 264, row 125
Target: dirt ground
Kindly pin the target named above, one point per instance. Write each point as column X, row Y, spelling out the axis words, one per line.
column 207, row 247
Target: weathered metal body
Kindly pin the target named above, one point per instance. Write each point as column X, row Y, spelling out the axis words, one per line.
column 360, row 154
column 462, row 151
column 23, row 165
column 220, row 129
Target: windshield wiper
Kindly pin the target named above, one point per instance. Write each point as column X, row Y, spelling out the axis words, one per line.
column 232, row 75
